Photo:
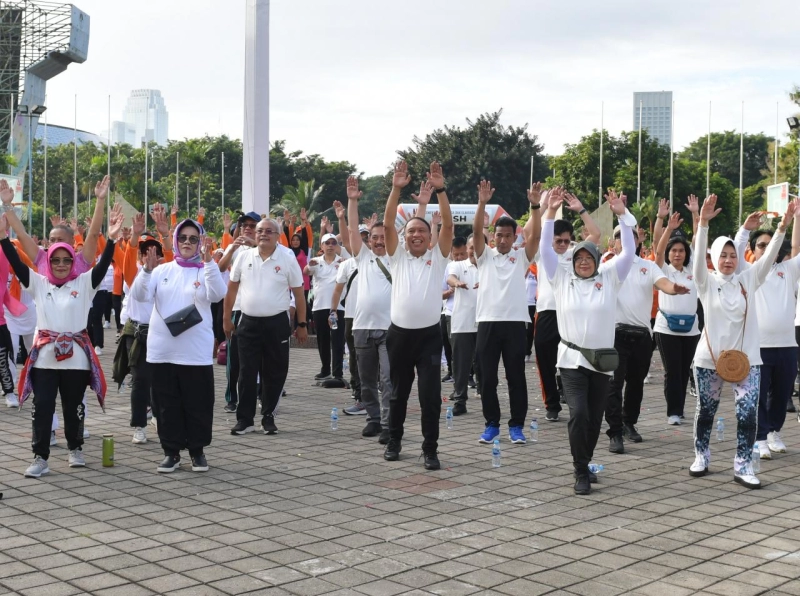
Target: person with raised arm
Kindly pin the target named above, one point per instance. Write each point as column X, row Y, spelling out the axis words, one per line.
column 502, row 311
column 414, row 339
column 586, row 303
column 731, row 323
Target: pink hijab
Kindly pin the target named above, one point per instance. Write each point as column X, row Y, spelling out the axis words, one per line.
column 49, row 272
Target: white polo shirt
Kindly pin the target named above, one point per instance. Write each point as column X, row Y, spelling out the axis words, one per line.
column 531, row 287
column 502, row 295
column 685, row 304
column 374, row 291
column 324, row 280
column 635, row 299
column 776, row 303
column 545, row 299
column 347, row 269
column 417, row 288
column 263, row 283
column 465, row 299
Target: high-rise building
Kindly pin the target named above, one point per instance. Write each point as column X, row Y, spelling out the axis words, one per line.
column 656, row 108
column 144, row 119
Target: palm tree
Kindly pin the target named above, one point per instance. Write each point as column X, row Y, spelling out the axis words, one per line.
column 195, row 154
column 303, row 196
column 646, row 209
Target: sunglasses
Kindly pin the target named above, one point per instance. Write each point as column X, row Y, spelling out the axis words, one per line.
column 190, row 239
column 249, row 225
column 266, row 232
column 61, row 261
column 561, row 241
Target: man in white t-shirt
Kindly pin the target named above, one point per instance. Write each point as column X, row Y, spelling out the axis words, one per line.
column 330, row 342
column 414, row 341
column 502, row 312
column 462, row 276
column 372, row 317
column 346, row 291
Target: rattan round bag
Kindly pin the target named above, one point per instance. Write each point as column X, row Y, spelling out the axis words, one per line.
column 733, row 366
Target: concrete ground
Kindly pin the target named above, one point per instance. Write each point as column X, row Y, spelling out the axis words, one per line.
column 315, row 511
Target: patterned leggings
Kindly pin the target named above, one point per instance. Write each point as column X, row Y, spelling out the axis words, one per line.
column 709, row 389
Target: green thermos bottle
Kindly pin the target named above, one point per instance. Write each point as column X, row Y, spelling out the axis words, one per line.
column 108, row 451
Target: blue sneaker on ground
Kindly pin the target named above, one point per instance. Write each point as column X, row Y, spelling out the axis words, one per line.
column 516, row 436
column 489, row 435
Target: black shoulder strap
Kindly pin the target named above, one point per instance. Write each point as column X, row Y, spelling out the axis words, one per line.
column 350, row 280
column 383, row 269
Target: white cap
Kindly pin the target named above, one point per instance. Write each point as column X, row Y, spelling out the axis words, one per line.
column 327, row 237
column 363, row 229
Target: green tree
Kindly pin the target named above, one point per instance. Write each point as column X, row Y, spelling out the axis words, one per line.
column 725, row 155
column 303, row 196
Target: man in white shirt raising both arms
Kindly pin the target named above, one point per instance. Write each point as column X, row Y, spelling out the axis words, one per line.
column 502, row 311
column 414, row 341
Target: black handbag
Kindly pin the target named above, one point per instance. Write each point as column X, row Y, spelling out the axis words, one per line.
column 602, row 359
column 183, row 320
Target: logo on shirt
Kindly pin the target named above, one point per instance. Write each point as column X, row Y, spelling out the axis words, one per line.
column 598, row 286
column 512, row 259
column 428, row 262
column 164, row 281
column 690, row 277
column 196, row 284
column 74, row 294
column 643, row 270
column 277, row 269
column 780, row 274
column 249, row 265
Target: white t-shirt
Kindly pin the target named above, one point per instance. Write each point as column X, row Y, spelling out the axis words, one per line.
column 685, row 304
column 173, row 288
column 586, row 311
column 374, row 291
column 776, row 303
column 263, row 283
column 347, row 269
column 136, row 310
column 502, row 295
column 324, row 280
column 64, row 308
column 447, row 303
column 546, row 300
column 465, row 303
column 635, row 298
column 417, row 288
column 24, row 324
column 531, row 286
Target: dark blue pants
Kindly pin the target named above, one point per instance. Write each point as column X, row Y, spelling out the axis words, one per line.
column 777, row 382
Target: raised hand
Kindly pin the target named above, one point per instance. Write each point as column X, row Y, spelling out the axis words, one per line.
column 353, row 194
column 151, row 259
column 88, row 222
column 436, row 219
column 206, row 248
column 753, row 221
column 286, row 215
column 555, row 197
column 3, row 223
column 303, row 216
column 616, row 202
column 709, row 209
column 73, row 224
column 138, row 226
column 573, row 203
column 115, row 220
column 535, row 193
column 56, row 220
column 788, row 216
column 693, row 205
column 663, row 208
column 101, row 188
column 435, row 176
column 6, row 193
column 425, row 192
column 675, row 221
column 226, row 221
column 338, row 209
column 126, row 233
column 640, row 232
column 485, row 192
column 401, row 177
column 201, row 212
column 174, row 210
column 160, row 219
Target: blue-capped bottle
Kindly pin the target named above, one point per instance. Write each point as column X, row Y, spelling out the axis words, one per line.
column 496, row 453
column 534, row 434
column 448, row 418
column 335, row 419
column 720, row 429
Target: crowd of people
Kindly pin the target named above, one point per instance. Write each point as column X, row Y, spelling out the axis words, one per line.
column 396, row 300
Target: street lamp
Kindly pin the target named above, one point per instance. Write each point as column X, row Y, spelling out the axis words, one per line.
column 794, row 125
column 31, row 112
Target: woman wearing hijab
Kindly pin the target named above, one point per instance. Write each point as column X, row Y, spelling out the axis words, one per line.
column 62, row 359
column 586, row 306
column 184, row 289
column 727, row 298
column 676, row 328
column 300, row 249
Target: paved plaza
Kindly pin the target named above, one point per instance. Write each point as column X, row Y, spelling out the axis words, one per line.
column 315, row 511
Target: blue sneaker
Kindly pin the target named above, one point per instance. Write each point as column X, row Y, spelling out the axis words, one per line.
column 516, row 436
column 489, row 435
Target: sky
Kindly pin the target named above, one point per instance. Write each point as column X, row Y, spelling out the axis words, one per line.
column 356, row 80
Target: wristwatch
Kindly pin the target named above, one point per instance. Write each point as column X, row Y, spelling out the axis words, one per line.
column 302, row 324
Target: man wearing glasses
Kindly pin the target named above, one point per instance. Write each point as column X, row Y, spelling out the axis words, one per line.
column 263, row 277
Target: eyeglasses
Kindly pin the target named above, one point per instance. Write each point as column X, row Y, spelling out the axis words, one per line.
column 249, row 225
column 266, row 232
column 762, row 245
column 61, row 261
column 583, row 260
column 190, row 239
column 562, row 241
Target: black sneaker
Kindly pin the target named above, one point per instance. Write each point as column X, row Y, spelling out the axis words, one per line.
column 790, row 406
column 592, row 477
column 471, row 383
column 385, row 437
column 582, row 485
column 199, row 463
column 629, row 432
column 322, row 376
column 231, row 407
column 268, row 425
column 283, row 392
column 372, row 429
column 615, row 444
column 551, row 416
column 169, row 464
column 448, row 378
column 432, row 461
column 393, row 449
column 459, row 408
column 242, row 428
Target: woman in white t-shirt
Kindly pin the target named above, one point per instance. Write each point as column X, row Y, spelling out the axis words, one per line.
column 731, row 323
column 531, row 287
column 676, row 328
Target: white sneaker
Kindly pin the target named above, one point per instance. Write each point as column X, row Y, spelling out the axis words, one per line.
column 674, row 420
column 764, row 449
column 12, row 401
column 139, row 435
column 53, row 439
column 86, row 434
column 775, row 443
column 37, row 468
column 98, row 350
column 527, row 359
column 106, row 325
column 647, row 379
column 149, row 413
column 699, row 467
column 746, row 478
column 76, row 459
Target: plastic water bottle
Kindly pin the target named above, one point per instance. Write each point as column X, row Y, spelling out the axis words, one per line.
column 335, row 419
column 534, row 434
column 720, row 429
column 595, row 468
column 334, row 319
column 496, row 453
column 755, row 460
column 448, row 417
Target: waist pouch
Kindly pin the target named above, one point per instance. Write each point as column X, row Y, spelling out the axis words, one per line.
column 601, row 359
column 633, row 331
column 679, row 323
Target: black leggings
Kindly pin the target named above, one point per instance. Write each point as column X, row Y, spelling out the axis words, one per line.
column 116, row 303
column 47, row 384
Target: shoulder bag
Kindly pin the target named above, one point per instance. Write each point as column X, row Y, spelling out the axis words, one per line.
column 732, row 366
column 601, row 359
column 183, row 319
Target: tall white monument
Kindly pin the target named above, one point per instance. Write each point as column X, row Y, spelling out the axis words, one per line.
column 255, row 166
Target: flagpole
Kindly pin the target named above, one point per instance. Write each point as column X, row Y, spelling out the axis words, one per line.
column 177, row 174
column 708, row 153
column 602, row 130
column 108, row 165
column 639, row 168
column 777, row 141
column 741, row 167
column 146, row 151
column 75, row 161
column 671, row 157
column 223, row 182
column 44, row 208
